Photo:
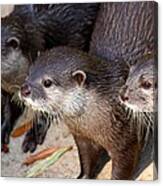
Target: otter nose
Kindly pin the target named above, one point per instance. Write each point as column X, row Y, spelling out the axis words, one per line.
column 124, row 97
column 124, row 93
column 25, row 90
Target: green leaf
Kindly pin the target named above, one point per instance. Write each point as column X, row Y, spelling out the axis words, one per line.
column 43, row 165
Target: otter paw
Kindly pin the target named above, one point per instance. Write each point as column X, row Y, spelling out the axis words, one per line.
column 29, row 143
column 40, row 133
column 83, row 176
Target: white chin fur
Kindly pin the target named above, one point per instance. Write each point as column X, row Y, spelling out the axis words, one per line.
column 30, row 103
column 132, row 107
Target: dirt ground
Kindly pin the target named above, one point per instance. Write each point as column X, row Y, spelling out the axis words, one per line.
column 66, row 167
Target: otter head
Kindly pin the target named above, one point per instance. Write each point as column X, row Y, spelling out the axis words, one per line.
column 140, row 91
column 18, row 48
column 57, row 83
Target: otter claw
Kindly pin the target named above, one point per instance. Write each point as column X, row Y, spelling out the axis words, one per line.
column 29, row 143
column 83, row 176
column 35, row 136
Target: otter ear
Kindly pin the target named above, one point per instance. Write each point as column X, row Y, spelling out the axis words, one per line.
column 13, row 42
column 79, row 77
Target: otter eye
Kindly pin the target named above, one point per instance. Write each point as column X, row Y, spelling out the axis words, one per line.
column 47, row 83
column 13, row 42
column 146, row 85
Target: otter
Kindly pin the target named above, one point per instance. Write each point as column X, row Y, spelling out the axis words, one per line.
column 82, row 91
column 140, row 96
column 30, row 29
column 127, row 31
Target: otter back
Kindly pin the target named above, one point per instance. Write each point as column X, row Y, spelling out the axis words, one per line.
column 125, row 30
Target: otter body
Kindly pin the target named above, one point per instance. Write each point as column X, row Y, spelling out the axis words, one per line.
column 82, row 92
column 30, row 29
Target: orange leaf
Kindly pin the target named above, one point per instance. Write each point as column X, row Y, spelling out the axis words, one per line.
column 40, row 155
column 21, row 130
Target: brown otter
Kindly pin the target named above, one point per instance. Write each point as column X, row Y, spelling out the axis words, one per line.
column 33, row 28
column 127, row 31
column 140, row 96
column 82, row 91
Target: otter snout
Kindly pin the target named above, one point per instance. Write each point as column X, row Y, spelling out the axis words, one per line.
column 124, row 98
column 25, row 90
column 124, row 94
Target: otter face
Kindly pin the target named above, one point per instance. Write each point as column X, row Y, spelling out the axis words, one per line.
column 14, row 64
column 140, row 91
column 54, row 90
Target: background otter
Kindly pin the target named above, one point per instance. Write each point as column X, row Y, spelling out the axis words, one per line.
column 140, row 95
column 33, row 28
column 126, row 32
